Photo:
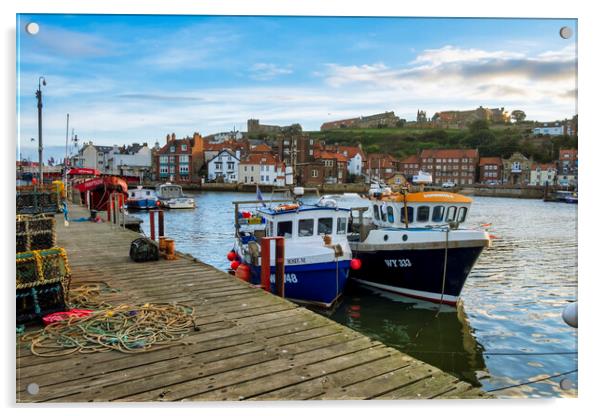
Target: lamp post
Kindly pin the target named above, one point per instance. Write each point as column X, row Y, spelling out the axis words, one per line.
column 41, row 81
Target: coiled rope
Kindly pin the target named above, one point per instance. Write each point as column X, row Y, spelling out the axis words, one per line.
column 88, row 296
column 125, row 328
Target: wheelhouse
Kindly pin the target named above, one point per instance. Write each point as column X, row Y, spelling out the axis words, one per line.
column 423, row 209
column 305, row 222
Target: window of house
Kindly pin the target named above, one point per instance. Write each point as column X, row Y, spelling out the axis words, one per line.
column 183, row 158
column 462, row 214
column 285, row 229
column 376, row 213
column 410, row 215
column 306, row 227
column 451, row 213
column 438, row 212
column 314, row 173
column 341, row 225
column 390, row 216
column 184, row 147
column 422, row 214
column 172, row 149
column 230, row 165
column 324, row 225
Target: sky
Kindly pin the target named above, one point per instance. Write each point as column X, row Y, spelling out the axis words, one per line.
column 134, row 78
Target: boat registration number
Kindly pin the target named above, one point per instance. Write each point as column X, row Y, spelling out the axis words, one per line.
column 398, row 262
column 288, row 278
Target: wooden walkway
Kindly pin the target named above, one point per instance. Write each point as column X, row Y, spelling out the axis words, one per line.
column 251, row 345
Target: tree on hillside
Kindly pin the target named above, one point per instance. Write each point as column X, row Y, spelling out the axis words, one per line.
column 518, row 116
column 292, row 130
column 478, row 125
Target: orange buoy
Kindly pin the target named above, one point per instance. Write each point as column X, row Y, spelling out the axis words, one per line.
column 231, row 255
column 243, row 272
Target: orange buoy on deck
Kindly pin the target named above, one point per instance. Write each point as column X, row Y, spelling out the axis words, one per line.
column 243, row 272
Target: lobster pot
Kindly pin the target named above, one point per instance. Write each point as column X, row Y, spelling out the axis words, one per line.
column 35, row 233
column 43, row 278
column 37, row 301
column 41, row 267
column 35, row 202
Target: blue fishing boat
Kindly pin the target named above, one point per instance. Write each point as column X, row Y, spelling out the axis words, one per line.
column 317, row 254
column 141, row 198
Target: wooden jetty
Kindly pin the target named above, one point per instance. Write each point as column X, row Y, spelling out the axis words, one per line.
column 251, row 345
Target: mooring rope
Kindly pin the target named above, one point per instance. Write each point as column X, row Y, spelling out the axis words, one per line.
column 125, row 328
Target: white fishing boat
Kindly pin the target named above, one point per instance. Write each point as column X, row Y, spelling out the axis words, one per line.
column 171, row 196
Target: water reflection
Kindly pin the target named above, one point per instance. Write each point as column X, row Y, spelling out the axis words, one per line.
column 442, row 337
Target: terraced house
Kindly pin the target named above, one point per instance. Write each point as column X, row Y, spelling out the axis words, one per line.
column 451, row 165
column 179, row 160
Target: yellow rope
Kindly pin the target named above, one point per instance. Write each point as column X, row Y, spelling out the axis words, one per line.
column 125, row 328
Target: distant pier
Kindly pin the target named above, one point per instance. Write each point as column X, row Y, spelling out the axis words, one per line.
column 251, row 345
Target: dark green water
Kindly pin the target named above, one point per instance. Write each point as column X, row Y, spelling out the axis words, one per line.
column 508, row 329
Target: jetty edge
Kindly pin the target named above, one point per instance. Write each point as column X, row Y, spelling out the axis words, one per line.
column 250, row 344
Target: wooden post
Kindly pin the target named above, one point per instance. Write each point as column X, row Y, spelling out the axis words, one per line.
column 151, row 213
column 161, row 224
column 265, row 264
column 280, row 266
column 108, row 208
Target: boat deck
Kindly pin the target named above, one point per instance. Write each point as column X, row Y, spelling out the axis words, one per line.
column 251, row 345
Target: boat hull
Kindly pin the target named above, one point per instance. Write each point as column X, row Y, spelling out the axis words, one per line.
column 310, row 283
column 417, row 273
column 141, row 203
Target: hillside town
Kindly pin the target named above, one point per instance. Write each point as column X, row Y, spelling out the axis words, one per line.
column 271, row 155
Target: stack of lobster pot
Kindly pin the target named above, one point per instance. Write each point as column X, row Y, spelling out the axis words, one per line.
column 43, row 274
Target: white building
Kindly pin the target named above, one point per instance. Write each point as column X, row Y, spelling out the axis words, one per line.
column 134, row 160
column 224, row 136
column 553, row 129
column 262, row 169
column 543, row 174
column 224, row 166
column 93, row 157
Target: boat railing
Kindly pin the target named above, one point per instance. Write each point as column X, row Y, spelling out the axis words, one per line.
column 237, row 205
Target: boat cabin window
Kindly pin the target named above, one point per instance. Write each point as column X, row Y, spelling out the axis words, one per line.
column 285, row 229
column 383, row 213
column 341, row 225
column 270, row 228
column 325, row 226
column 438, row 212
column 376, row 213
column 390, row 216
column 147, row 192
column 410, row 215
column 451, row 214
column 462, row 214
column 423, row 214
column 306, row 227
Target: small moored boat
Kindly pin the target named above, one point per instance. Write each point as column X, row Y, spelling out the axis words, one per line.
column 170, row 196
column 141, row 198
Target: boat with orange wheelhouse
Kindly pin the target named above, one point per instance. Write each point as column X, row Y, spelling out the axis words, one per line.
column 416, row 246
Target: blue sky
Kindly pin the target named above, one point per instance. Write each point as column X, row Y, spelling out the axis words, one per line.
column 136, row 78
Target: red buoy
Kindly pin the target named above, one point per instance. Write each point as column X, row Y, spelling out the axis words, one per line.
column 243, row 272
column 355, row 264
column 234, row 265
column 231, row 255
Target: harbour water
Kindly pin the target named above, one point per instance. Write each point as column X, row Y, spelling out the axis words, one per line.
column 508, row 329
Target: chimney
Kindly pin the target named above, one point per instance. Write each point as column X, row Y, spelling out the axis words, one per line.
column 173, row 137
column 167, row 139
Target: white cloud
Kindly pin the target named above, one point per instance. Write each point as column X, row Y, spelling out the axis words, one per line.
column 266, row 71
column 448, row 54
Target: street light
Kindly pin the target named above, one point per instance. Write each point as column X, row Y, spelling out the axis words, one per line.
column 41, row 81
